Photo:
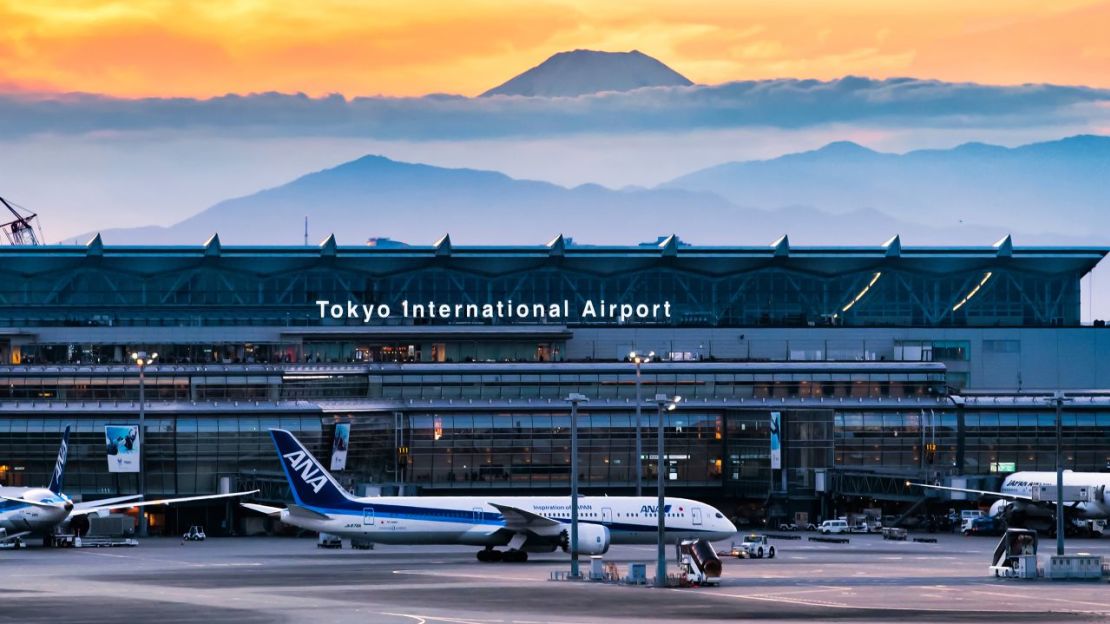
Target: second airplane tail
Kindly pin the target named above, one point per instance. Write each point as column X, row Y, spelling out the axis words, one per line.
column 60, row 465
column 310, row 483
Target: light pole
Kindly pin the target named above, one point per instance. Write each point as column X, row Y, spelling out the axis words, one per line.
column 1058, row 400
column 574, row 399
column 638, row 359
column 665, row 404
column 142, row 360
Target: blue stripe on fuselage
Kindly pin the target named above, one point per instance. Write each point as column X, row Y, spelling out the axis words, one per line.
column 428, row 514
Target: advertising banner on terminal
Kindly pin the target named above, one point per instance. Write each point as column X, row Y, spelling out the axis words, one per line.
column 776, row 446
column 339, row 446
column 122, row 445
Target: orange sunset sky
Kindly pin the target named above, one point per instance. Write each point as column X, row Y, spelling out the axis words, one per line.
column 212, row 47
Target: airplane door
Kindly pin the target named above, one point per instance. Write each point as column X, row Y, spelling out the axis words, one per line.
column 477, row 515
column 696, row 513
column 606, row 515
column 368, row 517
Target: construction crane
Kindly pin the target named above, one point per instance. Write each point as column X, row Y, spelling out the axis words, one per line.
column 20, row 231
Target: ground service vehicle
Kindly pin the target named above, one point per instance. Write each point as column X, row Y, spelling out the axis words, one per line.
column 698, row 563
column 833, row 526
column 753, row 546
column 986, row 526
column 194, row 534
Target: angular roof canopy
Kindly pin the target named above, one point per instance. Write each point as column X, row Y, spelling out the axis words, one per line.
column 600, row 259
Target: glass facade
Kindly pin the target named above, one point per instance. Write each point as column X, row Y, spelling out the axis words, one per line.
column 532, row 449
column 709, row 451
column 705, row 287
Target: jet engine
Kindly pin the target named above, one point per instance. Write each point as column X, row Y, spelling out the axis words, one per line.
column 593, row 539
column 1001, row 509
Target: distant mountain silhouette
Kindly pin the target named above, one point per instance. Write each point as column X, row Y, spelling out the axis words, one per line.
column 375, row 197
column 582, row 72
column 1057, row 186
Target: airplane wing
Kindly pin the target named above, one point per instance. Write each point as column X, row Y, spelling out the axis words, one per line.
column 292, row 510
column 273, row 512
column 163, row 501
column 14, row 536
column 1021, row 497
column 106, row 501
column 517, row 519
column 34, row 503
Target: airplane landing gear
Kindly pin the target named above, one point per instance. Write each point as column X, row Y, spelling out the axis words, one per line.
column 489, row 555
column 515, row 556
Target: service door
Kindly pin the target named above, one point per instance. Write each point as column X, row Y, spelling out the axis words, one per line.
column 696, row 513
column 368, row 517
column 606, row 515
column 477, row 514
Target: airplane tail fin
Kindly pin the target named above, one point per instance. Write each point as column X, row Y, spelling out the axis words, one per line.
column 60, row 465
column 311, row 484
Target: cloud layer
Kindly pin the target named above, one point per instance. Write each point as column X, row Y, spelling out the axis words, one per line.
column 784, row 103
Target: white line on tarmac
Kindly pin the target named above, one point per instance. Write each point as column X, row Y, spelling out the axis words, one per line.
column 1101, row 605
column 500, row 577
column 189, row 564
column 422, row 619
column 767, row 597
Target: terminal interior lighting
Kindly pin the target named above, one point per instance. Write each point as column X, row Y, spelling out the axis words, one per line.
column 861, row 294
column 640, row 358
column 142, row 358
column 974, row 291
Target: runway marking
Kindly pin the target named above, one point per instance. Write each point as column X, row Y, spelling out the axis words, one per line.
column 188, row 564
column 1103, row 605
column 777, row 597
column 423, row 619
column 476, row 576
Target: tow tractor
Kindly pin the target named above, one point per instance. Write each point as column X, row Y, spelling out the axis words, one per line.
column 753, row 546
column 698, row 563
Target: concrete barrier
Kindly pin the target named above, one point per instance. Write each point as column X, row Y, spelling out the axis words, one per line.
column 830, row 540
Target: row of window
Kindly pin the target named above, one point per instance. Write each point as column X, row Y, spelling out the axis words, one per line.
column 188, row 453
column 769, row 296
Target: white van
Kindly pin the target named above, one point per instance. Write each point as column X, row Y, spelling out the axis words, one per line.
column 833, row 526
column 968, row 518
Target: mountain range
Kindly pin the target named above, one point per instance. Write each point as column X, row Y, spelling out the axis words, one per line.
column 1050, row 186
column 840, row 194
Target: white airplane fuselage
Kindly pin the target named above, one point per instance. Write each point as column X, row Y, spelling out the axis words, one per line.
column 471, row 520
column 1023, row 483
column 18, row 517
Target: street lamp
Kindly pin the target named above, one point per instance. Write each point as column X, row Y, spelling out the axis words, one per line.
column 665, row 404
column 142, row 360
column 1058, row 400
column 574, row 399
column 638, row 359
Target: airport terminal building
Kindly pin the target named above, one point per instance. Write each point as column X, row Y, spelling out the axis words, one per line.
column 452, row 364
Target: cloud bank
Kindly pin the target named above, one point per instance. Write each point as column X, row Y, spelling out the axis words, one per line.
column 784, row 103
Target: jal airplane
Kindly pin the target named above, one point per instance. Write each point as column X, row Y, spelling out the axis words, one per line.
column 1018, row 506
column 520, row 524
column 40, row 511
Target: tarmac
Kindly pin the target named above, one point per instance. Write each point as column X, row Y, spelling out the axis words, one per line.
column 291, row 580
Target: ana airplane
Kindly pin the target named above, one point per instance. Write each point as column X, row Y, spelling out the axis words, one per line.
column 521, row 524
column 1021, row 502
column 41, row 511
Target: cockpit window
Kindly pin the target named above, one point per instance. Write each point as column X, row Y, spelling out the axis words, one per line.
column 719, row 515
